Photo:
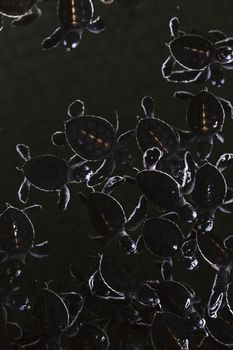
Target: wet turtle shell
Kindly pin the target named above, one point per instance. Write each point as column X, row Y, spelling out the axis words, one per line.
column 153, row 132
column 75, row 13
column 162, row 237
column 174, row 297
column 159, row 187
column 106, row 214
column 16, row 8
column 17, row 232
column 205, row 114
column 169, row 330
column 118, row 274
column 91, row 137
column 50, row 314
column 210, row 187
column 192, row 51
column 46, row 172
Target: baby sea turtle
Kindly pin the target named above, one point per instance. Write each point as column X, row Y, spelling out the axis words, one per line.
column 164, row 239
column 18, row 236
column 24, row 11
column 179, row 299
column 75, row 16
column 209, row 194
column 52, row 320
column 166, row 193
column 170, row 331
column 109, row 220
column 92, row 138
column 221, row 259
column 153, row 132
column 202, row 57
column 205, row 119
column 48, row 173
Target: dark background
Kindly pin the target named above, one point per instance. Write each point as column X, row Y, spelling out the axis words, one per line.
column 110, row 71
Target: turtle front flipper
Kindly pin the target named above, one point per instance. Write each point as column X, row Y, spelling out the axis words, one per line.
column 23, row 151
column 168, row 66
column 224, row 161
column 228, row 242
column 97, row 26
column 102, row 173
column 53, row 40
column 58, row 139
column 28, row 18
column 40, row 250
column 24, row 190
column 63, row 198
column 138, row 215
column 32, row 208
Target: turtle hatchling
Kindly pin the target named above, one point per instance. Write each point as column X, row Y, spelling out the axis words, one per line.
column 75, row 16
column 109, row 220
column 200, row 57
column 165, row 193
column 210, row 193
column 49, row 173
column 18, row 236
column 23, row 11
column 92, row 138
column 205, row 119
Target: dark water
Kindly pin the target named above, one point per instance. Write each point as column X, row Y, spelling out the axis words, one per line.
column 110, row 71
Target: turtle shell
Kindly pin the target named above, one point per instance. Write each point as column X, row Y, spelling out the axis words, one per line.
column 210, row 187
column 106, row 214
column 169, row 331
column 221, row 328
column 91, row 137
column 174, row 297
column 205, row 114
column 192, row 51
column 213, row 250
column 75, row 13
column 118, row 274
column 50, row 314
column 46, row 172
column 16, row 8
column 153, row 132
column 17, row 232
column 159, row 187
column 162, row 237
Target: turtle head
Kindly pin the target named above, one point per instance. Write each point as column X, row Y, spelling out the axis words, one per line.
column 72, row 39
column 224, row 54
column 188, row 213
column 205, row 223
column 196, row 321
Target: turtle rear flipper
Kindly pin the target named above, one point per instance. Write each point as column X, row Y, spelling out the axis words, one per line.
column 76, row 109
column 63, row 198
column 96, row 26
column 53, row 40
column 23, row 151
column 148, row 106
column 40, row 250
column 58, row 139
column 29, row 17
column 24, row 190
